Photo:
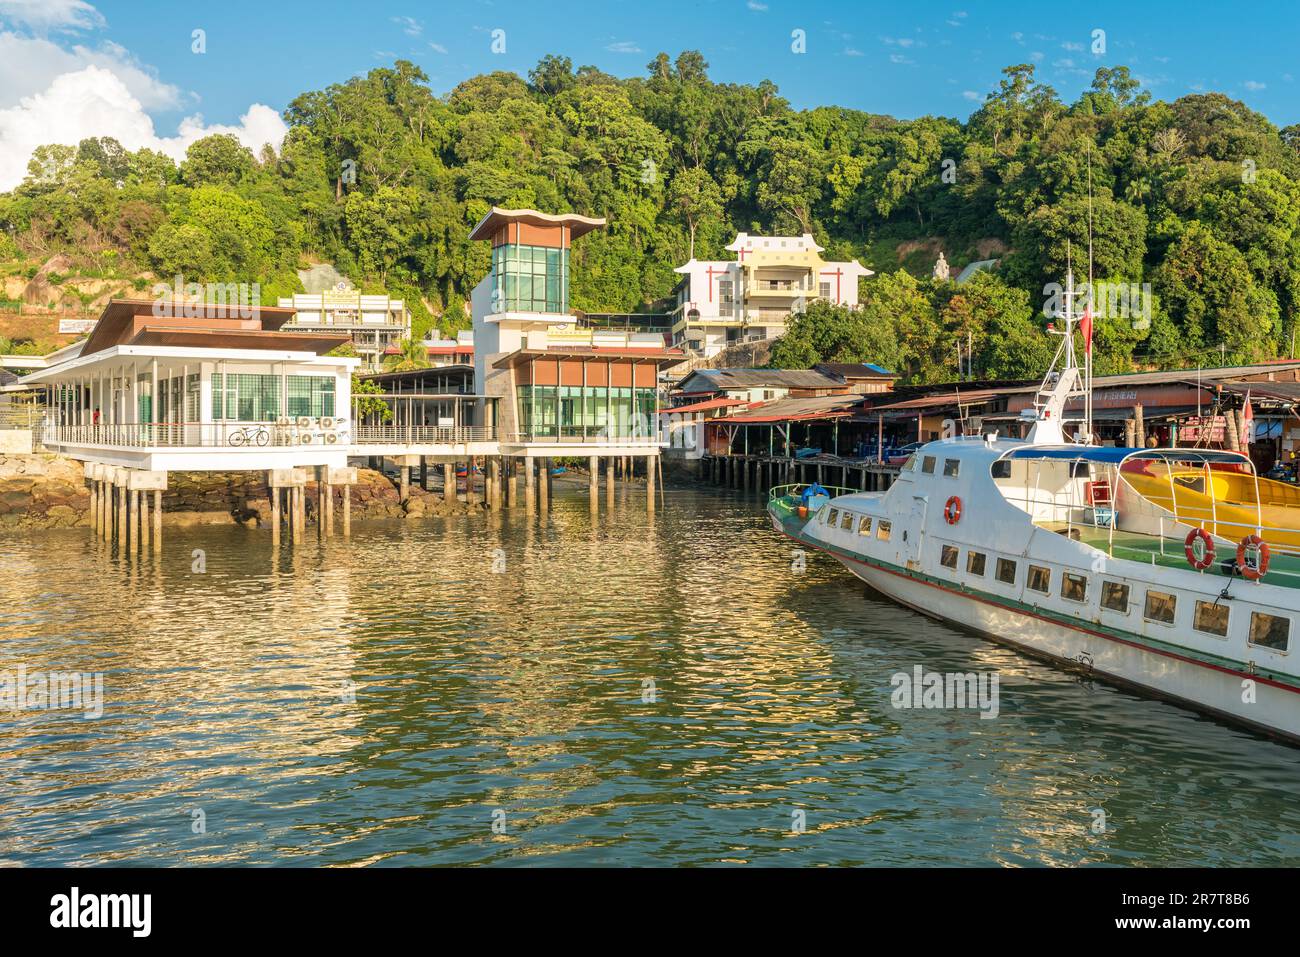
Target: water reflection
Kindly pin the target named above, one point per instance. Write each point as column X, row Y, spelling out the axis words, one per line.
column 389, row 699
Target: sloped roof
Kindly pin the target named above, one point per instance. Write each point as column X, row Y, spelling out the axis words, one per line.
column 853, row 370
column 717, row 380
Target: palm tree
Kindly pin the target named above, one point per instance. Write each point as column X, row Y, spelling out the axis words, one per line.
column 411, row 354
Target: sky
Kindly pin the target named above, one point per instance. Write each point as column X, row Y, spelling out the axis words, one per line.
column 162, row 74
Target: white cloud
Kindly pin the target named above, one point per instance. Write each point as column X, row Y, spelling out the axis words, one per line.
column 94, row 101
column 850, row 51
column 437, row 48
column 1072, row 46
column 28, row 65
column 971, row 95
column 623, row 46
column 1255, row 85
column 410, row 26
column 46, row 15
column 899, row 58
column 755, row 5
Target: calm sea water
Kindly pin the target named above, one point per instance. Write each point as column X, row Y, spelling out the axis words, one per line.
column 389, row 700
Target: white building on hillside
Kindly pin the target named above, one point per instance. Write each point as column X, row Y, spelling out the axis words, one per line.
column 374, row 323
column 720, row 303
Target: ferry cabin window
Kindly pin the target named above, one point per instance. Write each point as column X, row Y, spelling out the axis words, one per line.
column 1114, row 595
column 1006, row 571
column 948, row 557
column 951, row 467
column 975, row 563
column 927, row 465
column 1160, row 607
column 1211, row 619
column 1270, row 631
column 846, row 521
column 1039, row 579
column 1074, row 587
column 882, row 531
column 833, row 519
column 1001, row 469
column 864, row 525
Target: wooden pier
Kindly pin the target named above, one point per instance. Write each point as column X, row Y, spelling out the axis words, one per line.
column 758, row 473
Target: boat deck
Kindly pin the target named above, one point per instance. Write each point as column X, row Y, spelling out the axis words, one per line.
column 1151, row 549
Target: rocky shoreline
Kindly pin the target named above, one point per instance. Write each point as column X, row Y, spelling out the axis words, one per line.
column 49, row 491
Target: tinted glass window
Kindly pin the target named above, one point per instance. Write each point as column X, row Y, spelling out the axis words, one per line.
column 1114, row 595
column 1160, row 607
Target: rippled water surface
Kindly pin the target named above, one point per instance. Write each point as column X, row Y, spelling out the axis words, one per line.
column 388, row 700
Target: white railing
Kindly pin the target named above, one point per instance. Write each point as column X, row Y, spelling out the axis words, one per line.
column 391, row 434
column 594, row 437
column 227, row 435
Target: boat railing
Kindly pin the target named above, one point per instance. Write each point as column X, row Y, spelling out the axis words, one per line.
column 794, row 490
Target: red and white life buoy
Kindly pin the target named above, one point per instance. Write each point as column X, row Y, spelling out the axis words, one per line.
column 1199, row 547
column 952, row 510
column 1252, row 547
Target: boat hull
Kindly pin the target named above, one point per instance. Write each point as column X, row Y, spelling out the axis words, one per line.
column 1207, row 690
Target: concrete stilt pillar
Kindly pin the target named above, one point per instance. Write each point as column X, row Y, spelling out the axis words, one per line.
column 650, row 462
column 144, row 522
column 157, row 521
column 424, row 472
column 328, row 513
column 744, row 474
column 133, row 527
column 512, row 481
column 404, row 472
column 121, row 517
column 530, row 484
column 593, row 468
column 347, row 511
column 449, row 481
column 543, row 484
column 275, row 515
column 609, row 481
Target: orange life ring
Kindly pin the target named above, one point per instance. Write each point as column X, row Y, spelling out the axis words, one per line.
column 1259, row 568
column 952, row 510
column 1199, row 548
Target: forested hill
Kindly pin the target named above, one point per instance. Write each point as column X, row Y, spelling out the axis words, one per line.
column 1200, row 198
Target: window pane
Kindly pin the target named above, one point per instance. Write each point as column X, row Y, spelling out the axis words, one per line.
column 948, row 557
column 864, row 525
column 1006, row 571
column 951, row 467
column 1074, row 587
column 1269, row 631
column 1114, row 595
column 975, row 563
column 927, row 465
column 1040, row 579
column 882, row 531
column 1211, row 619
column 834, row 519
column 1160, row 607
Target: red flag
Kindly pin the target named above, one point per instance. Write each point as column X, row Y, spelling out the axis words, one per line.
column 1248, row 419
column 1085, row 326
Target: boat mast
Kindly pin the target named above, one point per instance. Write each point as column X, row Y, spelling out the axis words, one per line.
column 1063, row 380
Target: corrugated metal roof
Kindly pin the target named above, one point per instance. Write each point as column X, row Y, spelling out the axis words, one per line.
column 717, row 380
column 782, row 410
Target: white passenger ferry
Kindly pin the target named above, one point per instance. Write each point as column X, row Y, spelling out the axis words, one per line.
column 1172, row 571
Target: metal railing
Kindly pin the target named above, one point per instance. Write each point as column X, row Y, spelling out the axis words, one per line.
column 594, row 437
column 398, row 434
column 231, row 435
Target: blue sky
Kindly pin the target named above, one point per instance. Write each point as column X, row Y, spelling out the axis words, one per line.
column 127, row 68
column 905, row 59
